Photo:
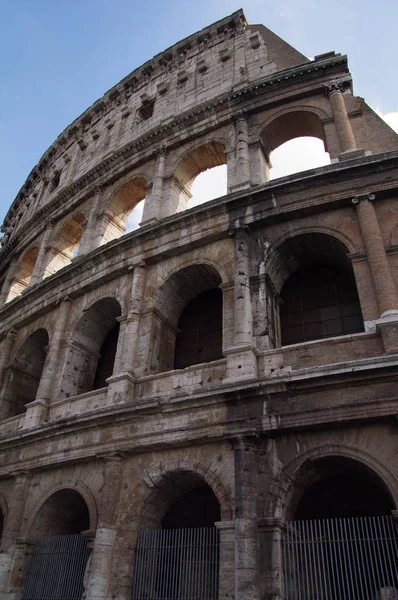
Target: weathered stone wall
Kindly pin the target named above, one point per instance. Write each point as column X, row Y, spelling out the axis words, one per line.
column 250, row 424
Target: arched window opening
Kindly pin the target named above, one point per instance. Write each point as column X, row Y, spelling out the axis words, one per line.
column 289, row 144
column 65, row 245
column 186, row 543
column 300, row 154
column 200, row 330
column 201, row 159
column 63, row 513
column 341, row 487
column 24, row 374
column 107, row 358
column 23, row 274
column 60, row 554
column 208, row 185
column 195, row 508
column 124, row 212
column 342, row 541
column 319, row 301
column 91, row 353
column 203, row 342
column 318, row 293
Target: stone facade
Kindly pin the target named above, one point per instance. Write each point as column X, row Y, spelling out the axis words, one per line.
column 106, row 436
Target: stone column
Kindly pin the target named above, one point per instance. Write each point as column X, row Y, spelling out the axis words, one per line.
column 5, row 352
column 271, row 536
column 12, row 269
column 121, row 385
column 383, row 282
column 100, row 574
column 246, row 533
column 40, row 265
column 152, row 207
column 16, row 508
column 334, row 92
column 36, row 411
column 227, row 559
column 242, row 163
column 242, row 358
column 91, row 236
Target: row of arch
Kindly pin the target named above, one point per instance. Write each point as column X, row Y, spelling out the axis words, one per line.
column 333, row 485
column 313, row 296
column 123, row 211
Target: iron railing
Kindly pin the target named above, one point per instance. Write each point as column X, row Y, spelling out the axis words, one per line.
column 57, row 567
column 176, row 564
column 341, row 559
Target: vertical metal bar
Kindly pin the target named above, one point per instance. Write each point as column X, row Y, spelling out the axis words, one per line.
column 316, row 549
column 392, row 528
column 353, row 556
column 286, row 564
column 377, row 542
column 370, row 554
column 300, row 572
column 363, row 577
column 386, row 551
column 325, row 559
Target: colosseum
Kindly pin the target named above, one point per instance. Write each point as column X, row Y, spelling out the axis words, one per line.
column 204, row 407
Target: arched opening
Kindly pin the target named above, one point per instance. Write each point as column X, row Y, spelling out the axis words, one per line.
column 92, row 351
column 342, row 541
column 336, row 487
column 319, row 298
column 199, row 338
column 124, row 212
column 64, row 513
column 181, row 337
column 202, row 159
column 65, row 245
column 23, row 274
column 300, row 154
column 60, row 554
column 208, row 185
column 294, row 142
column 183, row 512
column 24, row 374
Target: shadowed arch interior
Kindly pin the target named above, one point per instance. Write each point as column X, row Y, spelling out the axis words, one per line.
column 24, row 373
column 179, row 291
column 23, row 274
column 202, row 158
column 336, row 487
column 65, row 245
column 64, row 513
column 291, row 125
column 122, row 203
column 92, row 350
column 318, row 289
column 182, row 499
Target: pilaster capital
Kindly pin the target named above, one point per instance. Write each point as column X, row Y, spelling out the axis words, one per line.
column 244, row 443
column 363, row 198
column 240, row 115
column 333, row 87
column 112, row 457
column 161, row 151
column 21, row 475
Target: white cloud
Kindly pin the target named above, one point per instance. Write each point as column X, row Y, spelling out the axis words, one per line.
column 390, row 118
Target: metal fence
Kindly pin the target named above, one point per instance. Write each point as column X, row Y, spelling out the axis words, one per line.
column 176, row 564
column 57, row 567
column 341, row 559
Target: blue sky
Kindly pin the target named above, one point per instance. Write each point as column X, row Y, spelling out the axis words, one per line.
column 59, row 56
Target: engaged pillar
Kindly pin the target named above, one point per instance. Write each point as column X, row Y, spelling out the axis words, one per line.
column 383, row 282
